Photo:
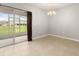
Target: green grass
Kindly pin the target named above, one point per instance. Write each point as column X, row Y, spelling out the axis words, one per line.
column 5, row 30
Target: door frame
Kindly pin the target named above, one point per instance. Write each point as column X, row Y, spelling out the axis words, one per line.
column 29, row 25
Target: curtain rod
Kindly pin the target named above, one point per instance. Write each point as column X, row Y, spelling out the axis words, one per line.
column 13, row 7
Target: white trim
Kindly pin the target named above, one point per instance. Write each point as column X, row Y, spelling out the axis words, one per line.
column 64, row 37
column 40, row 36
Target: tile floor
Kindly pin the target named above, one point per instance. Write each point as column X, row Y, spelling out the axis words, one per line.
column 46, row 46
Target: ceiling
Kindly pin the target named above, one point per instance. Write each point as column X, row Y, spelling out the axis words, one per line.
column 45, row 6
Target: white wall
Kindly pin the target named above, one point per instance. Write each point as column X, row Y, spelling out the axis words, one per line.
column 39, row 19
column 40, row 22
column 66, row 22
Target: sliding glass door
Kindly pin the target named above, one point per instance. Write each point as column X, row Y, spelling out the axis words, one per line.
column 13, row 26
column 20, row 28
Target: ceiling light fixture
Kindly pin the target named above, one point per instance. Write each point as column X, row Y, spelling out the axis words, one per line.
column 51, row 12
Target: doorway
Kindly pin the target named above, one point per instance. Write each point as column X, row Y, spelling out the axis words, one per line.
column 15, row 25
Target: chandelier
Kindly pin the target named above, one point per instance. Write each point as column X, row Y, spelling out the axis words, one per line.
column 51, row 12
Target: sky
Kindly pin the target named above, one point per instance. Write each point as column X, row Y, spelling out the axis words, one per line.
column 3, row 17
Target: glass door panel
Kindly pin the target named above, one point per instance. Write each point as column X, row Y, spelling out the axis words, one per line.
column 22, row 27
column 17, row 24
column 11, row 24
column 4, row 28
column 23, row 24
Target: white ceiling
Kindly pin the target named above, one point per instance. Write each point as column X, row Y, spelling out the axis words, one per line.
column 45, row 6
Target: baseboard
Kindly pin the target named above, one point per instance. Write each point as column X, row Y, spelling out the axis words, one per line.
column 40, row 36
column 64, row 37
